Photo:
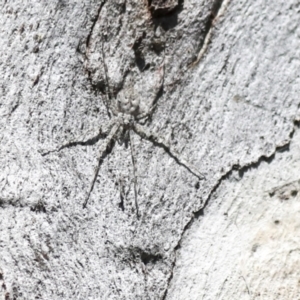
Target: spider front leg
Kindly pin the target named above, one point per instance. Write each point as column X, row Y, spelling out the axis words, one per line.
column 134, row 174
column 102, row 154
column 91, row 141
column 160, row 142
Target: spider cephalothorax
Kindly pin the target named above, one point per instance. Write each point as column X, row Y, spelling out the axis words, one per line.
column 129, row 106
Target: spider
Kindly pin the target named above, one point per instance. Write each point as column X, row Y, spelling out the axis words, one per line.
column 127, row 115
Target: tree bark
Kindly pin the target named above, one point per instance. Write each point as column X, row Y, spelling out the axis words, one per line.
column 149, row 149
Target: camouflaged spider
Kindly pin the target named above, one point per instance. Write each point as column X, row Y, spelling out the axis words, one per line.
column 127, row 115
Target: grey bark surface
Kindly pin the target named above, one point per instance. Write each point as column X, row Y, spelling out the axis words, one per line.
column 152, row 95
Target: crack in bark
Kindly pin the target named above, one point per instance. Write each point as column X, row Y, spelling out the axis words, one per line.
column 159, row 8
column 218, row 9
column 242, row 170
column 94, row 23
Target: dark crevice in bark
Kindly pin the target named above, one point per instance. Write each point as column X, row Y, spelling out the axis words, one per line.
column 135, row 254
column 94, row 23
column 121, row 203
column 160, row 8
column 14, row 108
column 138, row 52
column 211, row 20
column 166, row 16
column 10, row 202
column 215, row 10
column 38, row 207
column 147, row 258
column 241, row 171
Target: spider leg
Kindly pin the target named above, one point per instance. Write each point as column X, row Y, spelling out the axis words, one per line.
column 134, row 174
column 91, row 141
column 160, row 142
column 108, row 97
column 102, row 154
column 157, row 96
column 147, row 114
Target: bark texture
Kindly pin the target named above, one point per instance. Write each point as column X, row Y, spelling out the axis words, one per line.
column 188, row 111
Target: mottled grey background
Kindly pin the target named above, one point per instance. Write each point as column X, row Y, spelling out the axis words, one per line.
column 229, row 111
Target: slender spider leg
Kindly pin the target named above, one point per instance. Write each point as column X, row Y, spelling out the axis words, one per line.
column 145, row 115
column 91, row 141
column 134, row 174
column 159, row 93
column 108, row 94
column 159, row 141
column 102, row 154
